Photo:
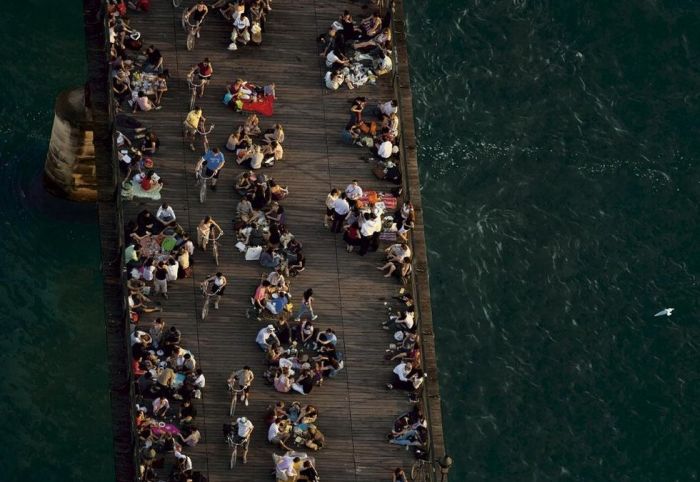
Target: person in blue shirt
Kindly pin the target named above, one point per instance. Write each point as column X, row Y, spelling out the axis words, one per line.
column 212, row 161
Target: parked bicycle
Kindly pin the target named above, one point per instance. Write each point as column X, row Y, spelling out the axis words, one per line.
column 424, row 467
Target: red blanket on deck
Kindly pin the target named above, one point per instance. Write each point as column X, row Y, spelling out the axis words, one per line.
column 264, row 106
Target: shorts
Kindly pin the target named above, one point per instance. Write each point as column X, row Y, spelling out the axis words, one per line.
column 329, row 212
column 190, row 130
column 208, row 173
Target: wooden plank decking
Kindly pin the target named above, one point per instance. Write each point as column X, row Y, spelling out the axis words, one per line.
column 356, row 411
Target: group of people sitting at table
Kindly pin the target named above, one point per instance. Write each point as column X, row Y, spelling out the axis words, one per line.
column 249, row 154
column 167, row 383
column 299, row 356
column 356, row 54
column 261, row 225
column 376, row 128
column 293, row 425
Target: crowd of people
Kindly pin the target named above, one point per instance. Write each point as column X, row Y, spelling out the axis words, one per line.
column 357, row 54
column 159, row 250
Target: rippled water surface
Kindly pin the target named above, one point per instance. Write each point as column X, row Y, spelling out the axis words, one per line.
column 558, row 149
column 54, row 402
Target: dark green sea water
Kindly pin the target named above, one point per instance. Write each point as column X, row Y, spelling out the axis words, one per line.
column 558, row 148
column 54, row 403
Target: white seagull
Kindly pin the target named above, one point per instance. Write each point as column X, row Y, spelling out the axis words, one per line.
column 665, row 311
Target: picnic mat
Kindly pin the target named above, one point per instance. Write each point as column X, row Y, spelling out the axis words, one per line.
column 266, row 106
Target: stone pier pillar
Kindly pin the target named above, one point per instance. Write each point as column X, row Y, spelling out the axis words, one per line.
column 69, row 171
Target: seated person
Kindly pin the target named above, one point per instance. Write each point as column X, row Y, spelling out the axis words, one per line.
column 272, row 153
column 252, row 125
column 142, row 102
column 244, row 183
column 275, row 134
column 234, row 139
column 308, row 472
column 404, row 321
column 166, row 216
column 277, row 192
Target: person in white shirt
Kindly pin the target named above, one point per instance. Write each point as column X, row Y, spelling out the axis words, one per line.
column 389, row 107
column 184, row 463
column 275, row 435
column 385, row 149
column 160, row 406
column 330, row 200
column 166, row 215
column 406, row 377
column 341, row 208
column 241, row 24
column 244, row 429
column 405, row 321
column 369, row 229
column 173, row 266
column 397, row 252
column 335, row 58
column 266, row 337
column 353, row 192
column 383, row 65
column 285, row 468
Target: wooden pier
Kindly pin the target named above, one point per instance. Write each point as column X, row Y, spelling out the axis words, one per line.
column 356, row 410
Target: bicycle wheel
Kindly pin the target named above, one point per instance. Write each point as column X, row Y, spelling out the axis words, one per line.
column 232, row 408
column 202, row 190
column 176, row 3
column 215, row 250
column 234, row 453
column 417, row 471
column 193, row 98
column 190, row 40
column 205, row 308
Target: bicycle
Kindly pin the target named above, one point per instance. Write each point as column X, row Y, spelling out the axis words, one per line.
column 207, row 299
column 424, row 467
column 215, row 243
column 235, row 393
column 202, row 182
column 193, row 89
column 190, row 29
column 203, row 131
column 234, row 443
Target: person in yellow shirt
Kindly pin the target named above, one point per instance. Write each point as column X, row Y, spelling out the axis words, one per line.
column 191, row 124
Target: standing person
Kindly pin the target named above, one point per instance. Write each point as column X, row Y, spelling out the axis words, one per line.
column 244, row 429
column 173, row 268
column 195, row 15
column 241, row 380
column 341, row 208
column 203, row 70
column 306, row 306
column 214, row 161
column 204, row 231
column 330, row 200
column 215, row 286
column 191, row 125
column 161, row 280
column 354, row 192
